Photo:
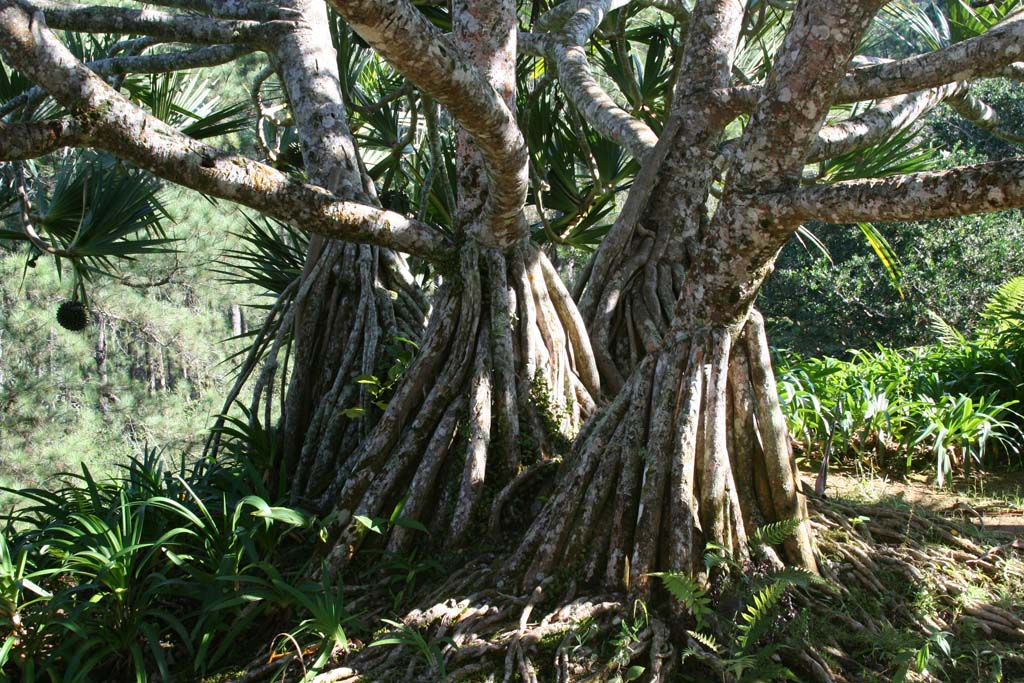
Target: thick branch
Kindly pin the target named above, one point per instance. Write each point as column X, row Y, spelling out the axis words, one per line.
column 983, row 116
column 991, row 55
column 175, row 27
column 566, row 50
column 400, row 33
column 166, row 62
column 819, row 45
column 556, row 17
column 916, row 196
column 20, row 141
column 963, row 61
column 229, row 9
column 124, row 130
column 878, row 123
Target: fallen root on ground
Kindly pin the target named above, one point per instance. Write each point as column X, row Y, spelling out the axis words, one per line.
column 878, row 561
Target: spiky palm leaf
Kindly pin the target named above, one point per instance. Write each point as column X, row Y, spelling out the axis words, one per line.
column 189, row 103
column 903, row 152
column 99, row 212
column 272, row 256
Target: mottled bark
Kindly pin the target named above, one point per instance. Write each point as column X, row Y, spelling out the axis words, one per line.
column 182, row 28
column 878, row 123
column 656, row 477
column 985, row 187
column 116, row 125
column 20, row 141
column 980, row 56
column 566, row 49
column 634, row 280
column 694, row 450
column 397, row 30
column 230, row 9
column 505, row 372
column 983, row 116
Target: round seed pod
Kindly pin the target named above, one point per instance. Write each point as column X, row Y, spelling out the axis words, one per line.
column 71, row 315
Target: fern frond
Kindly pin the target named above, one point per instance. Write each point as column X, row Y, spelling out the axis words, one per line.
column 688, row 591
column 773, row 533
column 1007, row 301
column 757, row 618
column 705, row 639
column 943, row 331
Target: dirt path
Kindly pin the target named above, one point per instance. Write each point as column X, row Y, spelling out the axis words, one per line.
column 992, row 502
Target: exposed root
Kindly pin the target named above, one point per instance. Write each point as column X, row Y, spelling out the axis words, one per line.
column 659, row 473
column 483, row 634
column 504, row 356
column 924, row 552
column 362, row 299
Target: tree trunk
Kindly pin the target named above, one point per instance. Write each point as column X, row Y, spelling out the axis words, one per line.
column 347, row 305
column 694, row 450
column 505, row 376
column 101, row 364
column 353, row 300
column 236, row 320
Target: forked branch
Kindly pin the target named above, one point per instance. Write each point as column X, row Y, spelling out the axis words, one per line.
column 403, row 36
column 565, row 48
column 121, row 128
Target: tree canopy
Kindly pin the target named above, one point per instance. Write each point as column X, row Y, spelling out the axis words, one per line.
column 438, row 348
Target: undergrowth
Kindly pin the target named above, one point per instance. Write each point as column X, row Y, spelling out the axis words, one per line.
column 952, row 405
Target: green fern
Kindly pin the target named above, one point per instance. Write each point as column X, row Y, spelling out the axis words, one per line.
column 757, row 618
column 796, row 576
column 943, row 331
column 688, row 591
column 773, row 533
column 705, row 639
column 1006, row 304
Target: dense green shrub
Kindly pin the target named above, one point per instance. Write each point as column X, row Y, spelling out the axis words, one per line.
column 154, row 575
column 816, row 306
column 825, row 303
column 954, row 399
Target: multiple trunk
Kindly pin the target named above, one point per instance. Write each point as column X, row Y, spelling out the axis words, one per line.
column 505, row 371
column 692, row 449
column 502, row 377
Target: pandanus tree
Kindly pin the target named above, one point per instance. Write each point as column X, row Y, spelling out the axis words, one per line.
column 713, row 127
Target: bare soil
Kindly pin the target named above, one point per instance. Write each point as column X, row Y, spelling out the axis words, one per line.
column 993, row 502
